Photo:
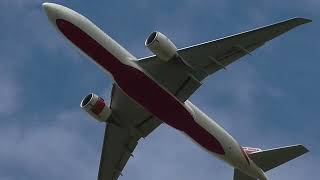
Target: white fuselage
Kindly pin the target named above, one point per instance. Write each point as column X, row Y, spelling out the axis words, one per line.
column 118, row 62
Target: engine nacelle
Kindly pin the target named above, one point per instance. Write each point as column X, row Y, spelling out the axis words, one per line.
column 96, row 107
column 161, row 46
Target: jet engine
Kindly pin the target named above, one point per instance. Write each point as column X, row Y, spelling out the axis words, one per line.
column 96, row 107
column 161, row 46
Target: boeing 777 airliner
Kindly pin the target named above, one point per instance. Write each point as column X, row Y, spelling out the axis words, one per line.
column 153, row 90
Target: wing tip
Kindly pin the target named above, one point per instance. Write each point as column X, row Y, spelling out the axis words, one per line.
column 304, row 149
column 301, row 20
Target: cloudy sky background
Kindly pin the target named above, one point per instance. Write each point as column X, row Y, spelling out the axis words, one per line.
column 266, row 100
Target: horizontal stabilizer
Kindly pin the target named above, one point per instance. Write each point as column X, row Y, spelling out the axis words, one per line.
column 269, row 159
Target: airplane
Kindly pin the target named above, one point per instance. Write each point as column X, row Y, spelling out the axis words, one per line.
column 154, row 90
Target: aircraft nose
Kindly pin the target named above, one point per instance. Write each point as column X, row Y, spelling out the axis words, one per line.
column 48, row 8
column 51, row 10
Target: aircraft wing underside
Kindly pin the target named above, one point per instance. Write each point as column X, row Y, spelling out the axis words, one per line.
column 207, row 58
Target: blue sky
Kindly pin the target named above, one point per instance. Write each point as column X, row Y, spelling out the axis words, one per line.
column 266, row 100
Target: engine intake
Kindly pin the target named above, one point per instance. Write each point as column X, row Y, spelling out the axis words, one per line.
column 96, row 107
column 161, row 46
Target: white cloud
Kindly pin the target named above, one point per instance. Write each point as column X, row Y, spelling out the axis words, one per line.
column 18, row 4
column 9, row 92
column 8, row 96
column 56, row 149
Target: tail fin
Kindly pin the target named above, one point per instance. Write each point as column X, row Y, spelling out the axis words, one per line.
column 269, row 159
